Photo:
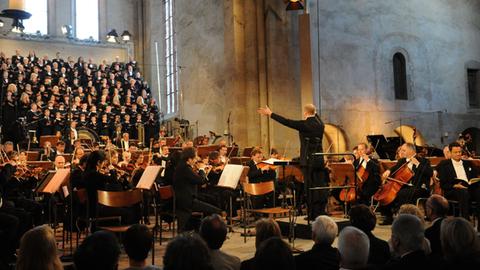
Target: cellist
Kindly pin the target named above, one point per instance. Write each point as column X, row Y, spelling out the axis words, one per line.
column 368, row 172
column 420, row 181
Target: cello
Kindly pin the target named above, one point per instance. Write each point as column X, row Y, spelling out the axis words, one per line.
column 387, row 193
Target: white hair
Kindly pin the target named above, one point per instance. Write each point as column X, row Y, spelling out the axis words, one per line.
column 408, row 229
column 353, row 246
column 324, row 230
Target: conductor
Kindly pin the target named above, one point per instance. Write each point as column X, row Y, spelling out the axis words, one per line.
column 310, row 131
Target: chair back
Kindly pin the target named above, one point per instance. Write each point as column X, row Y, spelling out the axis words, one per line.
column 165, row 192
column 257, row 189
column 119, row 198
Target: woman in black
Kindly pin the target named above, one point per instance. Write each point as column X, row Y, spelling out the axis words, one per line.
column 95, row 180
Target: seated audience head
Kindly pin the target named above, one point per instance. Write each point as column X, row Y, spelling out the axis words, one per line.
column 99, row 251
column 412, row 210
column 407, row 234
column 459, row 240
column 187, row 252
column 274, row 254
column 38, row 250
column 324, row 230
column 95, row 160
column 214, row 231
column 137, row 242
column 266, row 228
column 353, row 246
column 188, row 154
column 363, row 218
column 436, row 207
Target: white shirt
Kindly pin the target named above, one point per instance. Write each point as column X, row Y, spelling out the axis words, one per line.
column 460, row 170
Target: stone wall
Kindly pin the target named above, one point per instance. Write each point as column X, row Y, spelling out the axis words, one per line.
column 354, row 74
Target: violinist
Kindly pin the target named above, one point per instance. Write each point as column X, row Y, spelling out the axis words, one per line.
column 217, row 168
column 185, row 184
column 259, row 172
column 370, row 173
column 455, row 174
column 420, row 181
column 163, row 159
column 79, row 153
column 222, row 151
column 98, row 177
column 48, row 153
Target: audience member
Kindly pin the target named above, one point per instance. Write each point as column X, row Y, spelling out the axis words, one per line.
column 436, row 209
column 214, row 231
column 99, row 251
column 414, row 210
column 460, row 244
column 137, row 242
column 322, row 255
column 38, row 250
column 274, row 254
column 407, row 242
column 264, row 229
column 363, row 218
column 187, row 252
column 353, row 247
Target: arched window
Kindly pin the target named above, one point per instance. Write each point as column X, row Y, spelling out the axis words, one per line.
column 39, row 19
column 400, row 76
column 86, row 19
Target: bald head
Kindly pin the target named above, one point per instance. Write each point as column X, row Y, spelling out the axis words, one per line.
column 436, row 207
column 309, row 110
column 59, row 162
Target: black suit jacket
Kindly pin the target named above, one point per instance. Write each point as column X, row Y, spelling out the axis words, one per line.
column 446, row 173
column 310, row 132
column 379, row 252
column 319, row 257
column 371, row 184
column 413, row 260
column 256, row 175
column 433, row 235
column 422, row 173
column 185, row 185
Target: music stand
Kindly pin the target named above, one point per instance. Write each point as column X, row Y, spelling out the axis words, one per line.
column 229, row 179
column 52, row 184
column 148, row 177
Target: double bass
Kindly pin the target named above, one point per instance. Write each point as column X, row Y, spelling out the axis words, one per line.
column 388, row 192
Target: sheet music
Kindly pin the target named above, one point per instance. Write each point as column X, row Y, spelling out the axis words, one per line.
column 272, row 160
column 148, row 177
column 230, row 176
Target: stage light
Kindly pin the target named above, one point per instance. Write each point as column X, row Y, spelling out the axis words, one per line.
column 294, row 5
column 126, row 36
column 112, row 36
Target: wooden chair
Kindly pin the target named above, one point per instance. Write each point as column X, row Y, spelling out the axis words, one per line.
column 258, row 189
column 167, row 196
column 118, row 199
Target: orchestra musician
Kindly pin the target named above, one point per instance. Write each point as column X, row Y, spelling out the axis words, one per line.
column 310, row 132
column 371, row 167
column 48, row 153
column 420, row 181
column 185, row 184
column 258, row 173
column 163, row 159
column 222, row 152
column 454, row 174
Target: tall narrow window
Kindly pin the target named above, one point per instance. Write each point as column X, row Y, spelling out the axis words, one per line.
column 39, row 19
column 400, row 76
column 86, row 19
column 473, row 88
column 171, row 71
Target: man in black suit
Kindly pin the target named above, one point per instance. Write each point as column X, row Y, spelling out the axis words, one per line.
column 407, row 241
column 372, row 174
column 310, row 132
column 258, row 174
column 452, row 170
column 322, row 255
column 363, row 218
column 436, row 209
column 185, row 186
column 418, row 185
